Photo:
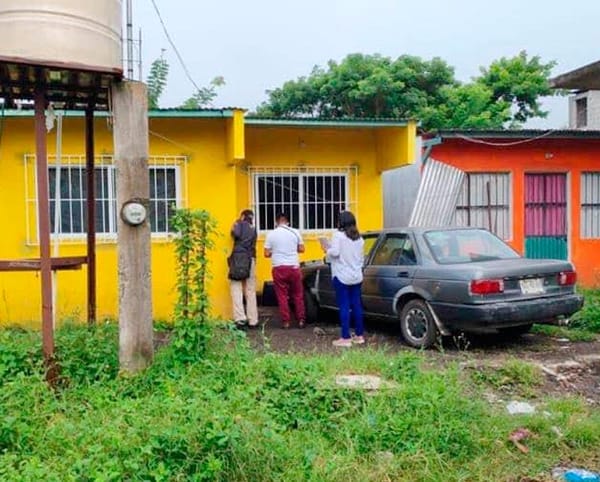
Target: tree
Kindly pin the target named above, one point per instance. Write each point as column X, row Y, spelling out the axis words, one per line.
column 362, row 86
column 205, row 96
column 157, row 80
column 519, row 81
column 506, row 93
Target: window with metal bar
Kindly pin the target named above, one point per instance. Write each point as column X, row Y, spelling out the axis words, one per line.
column 311, row 200
column 72, row 215
column 590, row 205
column 68, row 210
column 484, row 202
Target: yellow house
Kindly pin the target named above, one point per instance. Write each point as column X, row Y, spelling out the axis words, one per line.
column 218, row 160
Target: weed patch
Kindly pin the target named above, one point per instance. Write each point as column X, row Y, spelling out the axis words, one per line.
column 233, row 415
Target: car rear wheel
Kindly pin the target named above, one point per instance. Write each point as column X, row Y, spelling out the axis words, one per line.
column 311, row 307
column 417, row 324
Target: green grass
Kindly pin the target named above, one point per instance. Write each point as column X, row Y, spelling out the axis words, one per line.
column 239, row 416
column 514, row 376
column 571, row 334
column 589, row 317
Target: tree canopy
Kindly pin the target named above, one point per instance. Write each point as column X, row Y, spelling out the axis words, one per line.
column 504, row 94
column 157, row 81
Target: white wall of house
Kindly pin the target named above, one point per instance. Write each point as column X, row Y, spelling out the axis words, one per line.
column 584, row 110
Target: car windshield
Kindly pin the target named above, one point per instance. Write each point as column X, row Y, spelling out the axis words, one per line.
column 467, row 246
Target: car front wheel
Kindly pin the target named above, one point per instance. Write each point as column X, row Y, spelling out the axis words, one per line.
column 417, row 324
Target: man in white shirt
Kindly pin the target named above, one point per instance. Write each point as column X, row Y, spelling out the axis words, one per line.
column 283, row 245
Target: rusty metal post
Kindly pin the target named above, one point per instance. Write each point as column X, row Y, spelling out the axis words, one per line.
column 43, row 195
column 91, row 216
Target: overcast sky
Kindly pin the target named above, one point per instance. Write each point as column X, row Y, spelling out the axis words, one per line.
column 257, row 45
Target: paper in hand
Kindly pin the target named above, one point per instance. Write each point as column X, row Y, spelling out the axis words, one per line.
column 324, row 243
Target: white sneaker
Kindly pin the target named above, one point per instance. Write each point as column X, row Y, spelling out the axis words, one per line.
column 343, row 342
column 358, row 340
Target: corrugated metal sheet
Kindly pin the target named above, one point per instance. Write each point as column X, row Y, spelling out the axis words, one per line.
column 546, row 247
column 400, row 189
column 438, row 194
column 590, row 205
column 484, row 202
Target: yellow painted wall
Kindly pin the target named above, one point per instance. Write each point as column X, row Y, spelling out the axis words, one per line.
column 215, row 178
column 210, row 185
column 274, row 147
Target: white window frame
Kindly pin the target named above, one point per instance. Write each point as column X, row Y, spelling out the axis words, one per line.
column 156, row 163
column 350, row 185
column 587, row 201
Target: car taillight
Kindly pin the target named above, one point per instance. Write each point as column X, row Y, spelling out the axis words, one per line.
column 567, row 278
column 486, row 286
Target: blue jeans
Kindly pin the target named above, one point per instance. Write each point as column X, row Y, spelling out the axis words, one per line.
column 349, row 299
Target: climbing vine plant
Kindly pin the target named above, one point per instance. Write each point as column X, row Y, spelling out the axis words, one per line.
column 196, row 231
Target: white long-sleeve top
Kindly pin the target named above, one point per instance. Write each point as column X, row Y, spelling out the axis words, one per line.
column 346, row 258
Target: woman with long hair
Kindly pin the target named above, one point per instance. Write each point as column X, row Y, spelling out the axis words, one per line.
column 345, row 253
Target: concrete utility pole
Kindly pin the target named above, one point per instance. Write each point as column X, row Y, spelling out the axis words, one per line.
column 130, row 131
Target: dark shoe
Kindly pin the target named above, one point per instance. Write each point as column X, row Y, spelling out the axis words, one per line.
column 301, row 324
column 241, row 325
column 253, row 327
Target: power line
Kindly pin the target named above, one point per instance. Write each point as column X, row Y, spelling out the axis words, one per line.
column 181, row 61
column 506, row 144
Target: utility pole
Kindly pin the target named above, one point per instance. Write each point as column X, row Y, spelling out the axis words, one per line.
column 130, row 131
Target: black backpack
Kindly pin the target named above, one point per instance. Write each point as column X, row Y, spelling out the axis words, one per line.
column 240, row 264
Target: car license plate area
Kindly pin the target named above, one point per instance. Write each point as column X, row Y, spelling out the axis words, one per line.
column 533, row 286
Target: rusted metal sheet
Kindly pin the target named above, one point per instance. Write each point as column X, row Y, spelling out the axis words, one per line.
column 438, row 195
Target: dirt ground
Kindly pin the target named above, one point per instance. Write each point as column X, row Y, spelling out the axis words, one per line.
column 572, row 367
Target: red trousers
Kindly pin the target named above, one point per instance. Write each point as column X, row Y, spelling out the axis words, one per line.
column 287, row 281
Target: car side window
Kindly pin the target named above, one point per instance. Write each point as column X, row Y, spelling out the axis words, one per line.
column 369, row 244
column 396, row 249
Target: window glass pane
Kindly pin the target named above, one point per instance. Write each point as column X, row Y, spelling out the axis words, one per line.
column 467, row 246
column 390, row 251
column 163, row 198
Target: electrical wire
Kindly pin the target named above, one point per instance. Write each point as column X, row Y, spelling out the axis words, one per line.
column 506, row 144
column 171, row 141
column 181, row 61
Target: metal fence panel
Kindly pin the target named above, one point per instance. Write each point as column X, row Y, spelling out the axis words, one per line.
column 438, row 195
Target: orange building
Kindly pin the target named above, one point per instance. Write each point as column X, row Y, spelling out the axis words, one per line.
column 538, row 190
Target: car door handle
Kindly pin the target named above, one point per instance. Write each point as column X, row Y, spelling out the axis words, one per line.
column 402, row 274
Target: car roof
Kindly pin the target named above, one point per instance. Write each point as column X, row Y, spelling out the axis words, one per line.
column 422, row 229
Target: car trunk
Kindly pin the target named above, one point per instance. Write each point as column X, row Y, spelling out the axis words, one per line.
column 525, row 278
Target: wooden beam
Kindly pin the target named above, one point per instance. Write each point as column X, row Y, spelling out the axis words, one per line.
column 34, row 264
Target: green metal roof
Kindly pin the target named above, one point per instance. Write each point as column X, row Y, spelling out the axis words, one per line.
column 227, row 112
column 321, row 122
column 518, row 134
column 153, row 114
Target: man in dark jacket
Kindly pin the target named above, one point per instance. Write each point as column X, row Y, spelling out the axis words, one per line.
column 244, row 241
